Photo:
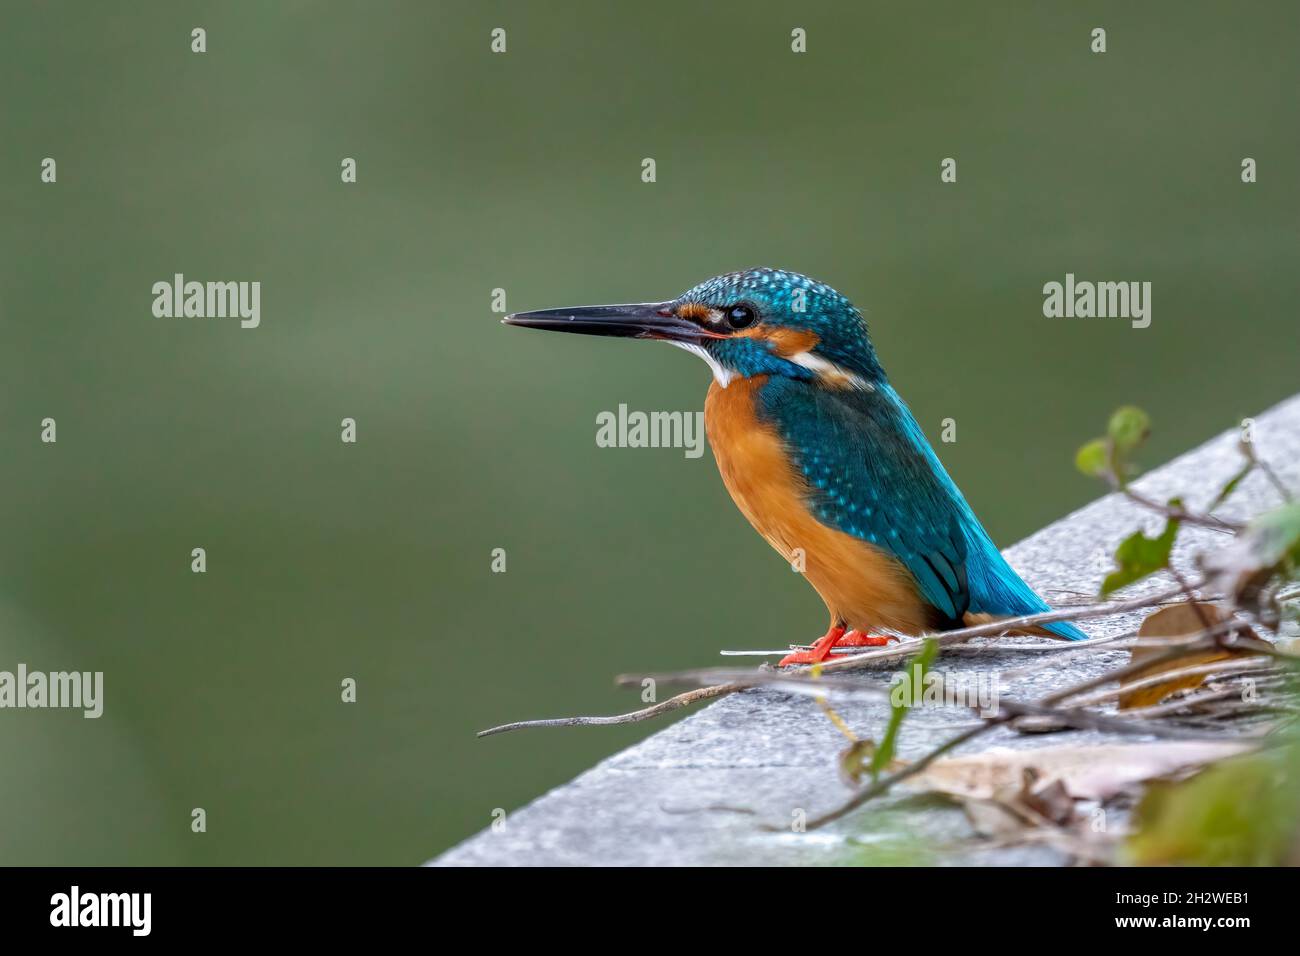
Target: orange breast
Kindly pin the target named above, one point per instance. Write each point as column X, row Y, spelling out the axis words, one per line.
column 863, row 586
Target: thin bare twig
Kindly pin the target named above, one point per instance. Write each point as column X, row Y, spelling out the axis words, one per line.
column 1173, row 512
column 1192, row 602
column 1190, row 702
column 1090, row 720
column 673, row 703
column 1195, row 642
column 1078, row 719
column 885, row 783
column 1045, row 707
column 1248, row 450
column 1117, row 643
column 1047, row 647
column 857, row 661
column 1235, row 666
column 998, row 628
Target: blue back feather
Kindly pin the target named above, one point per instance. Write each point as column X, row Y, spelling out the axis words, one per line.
column 872, row 474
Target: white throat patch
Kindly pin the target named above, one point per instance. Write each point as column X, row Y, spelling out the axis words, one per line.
column 721, row 375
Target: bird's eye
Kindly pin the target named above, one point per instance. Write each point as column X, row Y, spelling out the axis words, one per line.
column 740, row 316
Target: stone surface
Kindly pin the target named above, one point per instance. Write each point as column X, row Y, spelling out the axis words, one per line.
column 698, row 792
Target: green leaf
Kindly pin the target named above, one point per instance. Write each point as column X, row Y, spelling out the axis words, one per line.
column 1128, row 428
column 1138, row 556
column 1093, row 459
column 856, row 760
column 1275, row 535
column 1269, row 545
column 883, row 754
column 1242, row 812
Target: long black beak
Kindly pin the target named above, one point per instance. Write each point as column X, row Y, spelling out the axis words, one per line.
column 643, row 320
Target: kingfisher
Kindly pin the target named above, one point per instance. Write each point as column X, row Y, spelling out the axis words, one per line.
column 824, row 459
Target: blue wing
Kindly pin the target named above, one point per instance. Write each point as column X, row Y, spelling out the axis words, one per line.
column 872, row 474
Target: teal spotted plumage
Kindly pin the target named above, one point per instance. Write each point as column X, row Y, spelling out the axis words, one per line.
column 866, row 482
column 873, row 475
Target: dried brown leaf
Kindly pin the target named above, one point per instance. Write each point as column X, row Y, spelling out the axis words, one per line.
column 1177, row 620
column 1085, row 772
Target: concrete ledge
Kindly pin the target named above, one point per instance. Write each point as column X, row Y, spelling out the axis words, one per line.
column 694, row 793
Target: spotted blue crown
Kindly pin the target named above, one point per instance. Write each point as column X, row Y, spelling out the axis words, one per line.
column 790, row 300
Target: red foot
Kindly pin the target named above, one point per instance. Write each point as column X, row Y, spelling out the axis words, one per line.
column 835, row 637
column 858, row 639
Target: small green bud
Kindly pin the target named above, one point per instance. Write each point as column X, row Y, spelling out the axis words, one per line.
column 1128, row 427
column 1093, row 459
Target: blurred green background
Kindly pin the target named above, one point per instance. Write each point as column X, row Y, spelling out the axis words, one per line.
column 522, row 171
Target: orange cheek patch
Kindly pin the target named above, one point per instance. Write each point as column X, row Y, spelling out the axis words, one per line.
column 785, row 341
column 694, row 310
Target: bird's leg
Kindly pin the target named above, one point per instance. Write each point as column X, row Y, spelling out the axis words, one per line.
column 835, row 637
column 819, row 651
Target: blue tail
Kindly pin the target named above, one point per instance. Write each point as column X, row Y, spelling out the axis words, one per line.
column 1066, row 630
column 995, row 587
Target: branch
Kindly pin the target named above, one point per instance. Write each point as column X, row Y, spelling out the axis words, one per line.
column 673, row 703
column 1175, row 513
column 1248, row 450
column 1233, row 666
column 1104, row 609
column 885, row 783
column 729, row 681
